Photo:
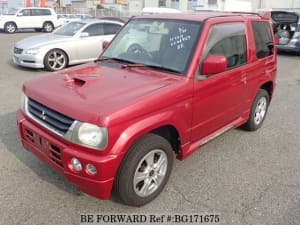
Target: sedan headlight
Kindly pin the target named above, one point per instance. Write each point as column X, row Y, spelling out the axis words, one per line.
column 32, row 51
column 88, row 135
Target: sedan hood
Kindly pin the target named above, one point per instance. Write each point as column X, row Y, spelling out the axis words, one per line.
column 40, row 40
column 103, row 94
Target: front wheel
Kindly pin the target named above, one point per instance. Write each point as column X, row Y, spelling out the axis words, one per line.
column 55, row 60
column 258, row 110
column 10, row 28
column 145, row 170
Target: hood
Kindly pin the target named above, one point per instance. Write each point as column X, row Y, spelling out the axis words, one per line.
column 41, row 40
column 103, row 94
column 284, row 17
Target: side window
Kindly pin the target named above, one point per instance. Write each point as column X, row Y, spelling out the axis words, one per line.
column 263, row 39
column 26, row 12
column 45, row 12
column 233, row 48
column 111, row 28
column 229, row 40
column 95, row 30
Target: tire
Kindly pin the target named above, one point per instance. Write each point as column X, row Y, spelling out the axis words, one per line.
column 55, row 60
column 259, row 110
column 144, row 171
column 48, row 27
column 10, row 27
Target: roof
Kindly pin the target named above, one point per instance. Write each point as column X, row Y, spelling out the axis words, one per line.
column 92, row 21
column 201, row 16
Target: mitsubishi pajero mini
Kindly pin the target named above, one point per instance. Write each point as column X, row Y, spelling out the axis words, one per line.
column 165, row 86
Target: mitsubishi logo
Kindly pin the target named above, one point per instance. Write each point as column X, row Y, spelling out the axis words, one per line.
column 43, row 115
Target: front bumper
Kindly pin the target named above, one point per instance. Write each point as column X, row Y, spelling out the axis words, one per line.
column 58, row 155
column 26, row 60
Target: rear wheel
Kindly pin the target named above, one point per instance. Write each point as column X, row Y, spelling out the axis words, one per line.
column 258, row 110
column 55, row 60
column 10, row 28
column 145, row 170
column 48, row 27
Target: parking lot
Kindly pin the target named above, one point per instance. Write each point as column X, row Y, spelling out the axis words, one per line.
column 245, row 177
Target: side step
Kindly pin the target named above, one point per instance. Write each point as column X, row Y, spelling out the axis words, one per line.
column 216, row 135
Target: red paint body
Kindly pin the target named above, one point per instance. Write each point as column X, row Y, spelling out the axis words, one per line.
column 134, row 101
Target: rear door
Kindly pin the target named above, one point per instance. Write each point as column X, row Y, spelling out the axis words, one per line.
column 220, row 98
column 39, row 16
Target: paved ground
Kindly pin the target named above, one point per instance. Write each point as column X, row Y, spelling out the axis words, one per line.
column 246, row 177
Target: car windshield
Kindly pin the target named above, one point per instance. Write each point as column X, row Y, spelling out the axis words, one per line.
column 160, row 44
column 69, row 29
column 11, row 12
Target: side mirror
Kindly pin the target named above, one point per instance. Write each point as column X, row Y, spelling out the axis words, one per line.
column 214, row 64
column 84, row 35
column 105, row 44
column 20, row 14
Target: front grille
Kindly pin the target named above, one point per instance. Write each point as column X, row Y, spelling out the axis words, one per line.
column 52, row 119
column 55, row 155
column 52, row 151
column 18, row 50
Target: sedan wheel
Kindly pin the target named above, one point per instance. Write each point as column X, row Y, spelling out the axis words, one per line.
column 55, row 60
column 10, row 28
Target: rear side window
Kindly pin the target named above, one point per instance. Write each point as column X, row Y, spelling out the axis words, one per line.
column 229, row 40
column 263, row 39
column 95, row 30
column 111, row 28
column 40, row 12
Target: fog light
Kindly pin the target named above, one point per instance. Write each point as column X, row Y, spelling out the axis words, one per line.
column 76, row 164
column 91, row 169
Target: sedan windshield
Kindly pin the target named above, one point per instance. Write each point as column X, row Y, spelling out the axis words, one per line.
column 69, row 29
column 159, row 44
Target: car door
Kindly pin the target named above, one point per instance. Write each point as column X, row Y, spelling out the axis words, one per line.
column 221, row 98
column 89, row 47
column 24, row 19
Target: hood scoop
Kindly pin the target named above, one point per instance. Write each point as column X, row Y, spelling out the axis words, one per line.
column 79, row 82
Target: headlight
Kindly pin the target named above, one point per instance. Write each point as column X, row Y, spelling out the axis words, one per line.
column 88, row 135
column 23, row 101
column 32, row 51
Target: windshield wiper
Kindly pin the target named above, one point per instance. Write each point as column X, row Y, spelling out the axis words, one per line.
column 159, row 68
column 114, row 59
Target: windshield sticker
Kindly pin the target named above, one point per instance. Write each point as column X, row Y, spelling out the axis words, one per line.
column 179, row 39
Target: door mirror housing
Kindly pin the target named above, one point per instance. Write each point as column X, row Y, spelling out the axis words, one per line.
column 105, row 44
column 19, row 14
column 84, row 35
column 214, row 64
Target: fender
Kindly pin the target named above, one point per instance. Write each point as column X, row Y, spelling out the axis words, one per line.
column 147, row 124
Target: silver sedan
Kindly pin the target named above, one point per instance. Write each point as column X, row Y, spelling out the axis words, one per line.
column 74, row 43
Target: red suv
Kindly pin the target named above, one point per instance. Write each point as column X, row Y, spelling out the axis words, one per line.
column 165, row 85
